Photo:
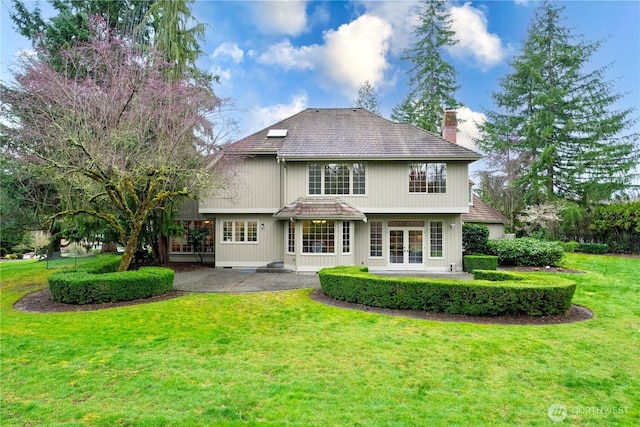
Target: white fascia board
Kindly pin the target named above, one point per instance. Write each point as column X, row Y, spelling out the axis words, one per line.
column 400, row 211
column 238, row 211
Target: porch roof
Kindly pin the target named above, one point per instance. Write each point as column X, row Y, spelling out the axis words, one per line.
column 320, row 208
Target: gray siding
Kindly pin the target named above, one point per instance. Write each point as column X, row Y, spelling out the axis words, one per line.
column 269, row 248
column 388, row 189
column 256, row 187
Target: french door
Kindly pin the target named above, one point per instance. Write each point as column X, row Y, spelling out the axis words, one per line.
column 406, row 248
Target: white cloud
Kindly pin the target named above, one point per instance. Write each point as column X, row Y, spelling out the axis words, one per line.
column 356, row 52
column 281, row 17
column 287, row 56
column 522, row 2
column 401, row 16
column 475, row 41
column 260, row 117
column 229, row 49
column 223, row 74
column 350, row 55
column 467, row 127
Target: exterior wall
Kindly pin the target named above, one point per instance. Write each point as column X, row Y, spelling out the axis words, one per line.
column 256, row 188
column 388, row 189
column 304, row 262
column 452, row 242
column 268, row 248
column 496, row 231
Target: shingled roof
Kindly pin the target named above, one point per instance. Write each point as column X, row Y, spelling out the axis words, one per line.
column 320, row 207
column 329, row 133
column 482, row 212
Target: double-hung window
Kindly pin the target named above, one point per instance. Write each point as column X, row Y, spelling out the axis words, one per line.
column 240, row 231
column 337, row 178
column 428, row 178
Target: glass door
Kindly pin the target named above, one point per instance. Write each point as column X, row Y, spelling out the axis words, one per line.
column 406, row 248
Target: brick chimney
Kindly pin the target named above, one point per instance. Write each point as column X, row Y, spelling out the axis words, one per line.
column 450, row 126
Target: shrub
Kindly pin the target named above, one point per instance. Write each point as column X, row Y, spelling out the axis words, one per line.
column 593, row 248
column 107, row 263
column 3, row 252
column 98, row 281
column 570, row 247
column 479, row 262
column 474, row 239
column 526, row 251
column 520, row 294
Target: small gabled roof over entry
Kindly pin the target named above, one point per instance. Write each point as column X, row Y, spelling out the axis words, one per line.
column 320, row 208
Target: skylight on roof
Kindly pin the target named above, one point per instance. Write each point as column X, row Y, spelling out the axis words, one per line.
column 277, row 133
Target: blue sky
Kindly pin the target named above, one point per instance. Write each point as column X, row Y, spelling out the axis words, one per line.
column 277, row 58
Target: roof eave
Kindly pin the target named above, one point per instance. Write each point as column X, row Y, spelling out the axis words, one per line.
column 326, row 158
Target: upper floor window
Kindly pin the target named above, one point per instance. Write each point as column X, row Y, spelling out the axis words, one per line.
column 428, row 178
column 337, row 178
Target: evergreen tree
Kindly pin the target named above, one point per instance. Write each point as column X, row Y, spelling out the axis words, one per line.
column 433, row 80
column 559, row 120
column 367, row 98
column 176, row 34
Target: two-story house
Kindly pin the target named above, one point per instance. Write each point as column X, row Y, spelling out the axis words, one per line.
column 343, row 186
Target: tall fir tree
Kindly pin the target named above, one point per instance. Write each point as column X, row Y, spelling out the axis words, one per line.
column 433, row 80
column 560, row 121
column 367, row 98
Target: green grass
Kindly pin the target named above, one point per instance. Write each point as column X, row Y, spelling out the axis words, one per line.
column 282, row 359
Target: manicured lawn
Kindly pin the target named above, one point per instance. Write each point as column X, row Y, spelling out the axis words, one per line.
column 282, row 359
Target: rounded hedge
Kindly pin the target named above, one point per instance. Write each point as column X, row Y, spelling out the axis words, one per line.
column 97, row 282
column 506, row 293
column 526, row 251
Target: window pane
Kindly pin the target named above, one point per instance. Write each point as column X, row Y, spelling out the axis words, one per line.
column 346, row 237
column 291, row 247
column 437, row 177
column 239, row 231
column 417, row 178
column 359, row 181
column 315, row 179
column 252, row 231
column 227, row 231
column 318, row 236
column 336, row 179
column 435, row 239
column 375, row 238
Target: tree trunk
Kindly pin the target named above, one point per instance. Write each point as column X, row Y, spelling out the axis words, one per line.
column 163, row 249
column 130, row 249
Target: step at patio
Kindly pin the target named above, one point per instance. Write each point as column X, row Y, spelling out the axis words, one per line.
column 273, row 267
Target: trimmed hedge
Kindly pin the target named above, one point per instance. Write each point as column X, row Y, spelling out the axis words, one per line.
column 479, row 262
column 593, row 248
column 526, row 251
column 530, row 294
column 97, row 282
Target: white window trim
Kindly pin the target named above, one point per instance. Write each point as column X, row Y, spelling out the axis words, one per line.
column 350, row 251
column 443, row 239
column 382, row 242
column 233, row 232
column 426, row 192
column 322, row 179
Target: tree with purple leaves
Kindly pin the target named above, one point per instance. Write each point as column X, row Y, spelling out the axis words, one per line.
column 118, row 138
